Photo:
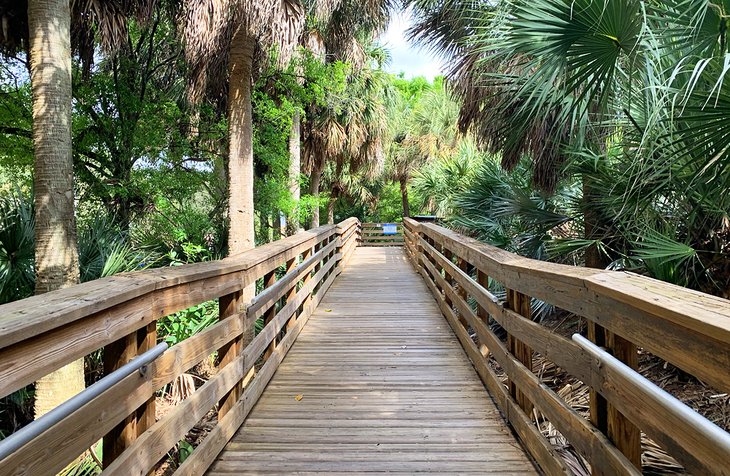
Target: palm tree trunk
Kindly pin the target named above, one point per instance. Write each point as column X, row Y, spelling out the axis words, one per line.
column 314, row 181
column 331, row 207
column 241, row 235
column 593, row 256
column 275, row 225
column 404, row 196
column 295, row 157
column 56, row 252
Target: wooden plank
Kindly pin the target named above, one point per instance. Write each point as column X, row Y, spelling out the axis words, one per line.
column 62, row 443
column 538, row 447
column 122, row 435
column 688, row 329
column 587, row 439
column 354, row 394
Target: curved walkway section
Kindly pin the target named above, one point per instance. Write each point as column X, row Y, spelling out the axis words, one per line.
column 376, row 382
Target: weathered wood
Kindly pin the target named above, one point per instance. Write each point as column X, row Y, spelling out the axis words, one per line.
column 133, row 397
column 73, row 435
column 482, row 312
column 598, row 403
column 621, row 430
column 587, row 439
column 147, row 413
column 154, row 443
column 123, row 435
column 271, row 294
column 520, row 304
column 31, row 317
column 231, row 306
column 538, row 447
column 699, row 450
column 688, row 329
column 291, row 294
column 208, row 450
column 358, row 390
column 182, row 287
column 269, row 281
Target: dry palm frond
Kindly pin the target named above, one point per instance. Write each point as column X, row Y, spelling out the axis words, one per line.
column 92, row 21
column 181, row 388
column 209, row 27
column 313, row 41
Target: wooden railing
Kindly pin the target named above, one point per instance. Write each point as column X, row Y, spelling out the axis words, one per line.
column 373, row 235
column 118, row 314
column 688, row 329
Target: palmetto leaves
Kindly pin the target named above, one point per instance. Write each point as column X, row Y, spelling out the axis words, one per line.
column 630, row 96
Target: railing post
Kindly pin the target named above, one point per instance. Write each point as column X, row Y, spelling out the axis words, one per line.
column 270, row 280
column 316, row 269
column 231, row 306
column 520, row 303
column 146, row 414
column 307, row 277
column 292, row 294
column 448, row 255
column 604, row 416
column 464, row 266
column 122, row 435
column 483, row 281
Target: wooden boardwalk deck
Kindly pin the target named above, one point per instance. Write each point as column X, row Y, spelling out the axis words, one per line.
column 384, row 386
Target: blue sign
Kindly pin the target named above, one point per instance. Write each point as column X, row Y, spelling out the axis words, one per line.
column 390, row 229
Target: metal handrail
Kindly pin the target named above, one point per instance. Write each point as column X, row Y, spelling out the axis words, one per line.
column 674, row 407
column 26, row 434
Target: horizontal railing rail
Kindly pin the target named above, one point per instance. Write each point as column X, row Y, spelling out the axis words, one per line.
column 374, row 234
column 688, row 329
column 119, row 314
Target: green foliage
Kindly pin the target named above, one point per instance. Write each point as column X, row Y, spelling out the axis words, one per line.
column 621, row 108
column 182, row 232
column 183, row 324
column 17, row 274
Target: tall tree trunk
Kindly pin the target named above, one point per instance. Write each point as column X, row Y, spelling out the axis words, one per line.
column 591, row 227
column 56, row 253
column 331, row 206
column 275, row 225
column 314, row 181
column 295, row 157
column 241, row 234
column 404, row 196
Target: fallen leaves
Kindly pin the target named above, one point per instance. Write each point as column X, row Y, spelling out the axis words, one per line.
column 299, row 397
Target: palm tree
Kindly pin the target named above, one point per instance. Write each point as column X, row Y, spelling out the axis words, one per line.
column 56, row 255
column 340, row 31
column 421, row 133
column 629, row 96
column 223, row 37
column 47, row 31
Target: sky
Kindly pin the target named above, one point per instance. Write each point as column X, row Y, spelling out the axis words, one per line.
column 410, row 59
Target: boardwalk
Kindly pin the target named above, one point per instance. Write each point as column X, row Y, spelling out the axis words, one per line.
column 376, row 382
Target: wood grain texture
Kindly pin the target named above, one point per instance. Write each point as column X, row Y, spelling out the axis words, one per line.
column 384, row 386
column 689, row 329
